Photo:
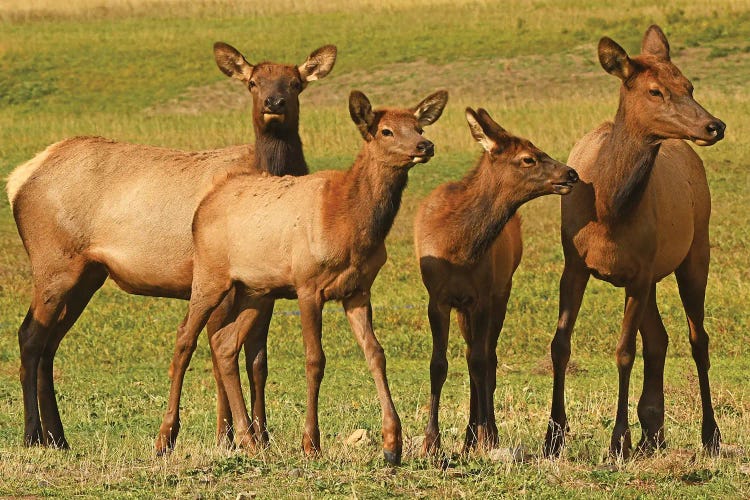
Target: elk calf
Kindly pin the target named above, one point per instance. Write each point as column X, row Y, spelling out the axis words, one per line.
column 87, row 208
column 640, row 214
column 468, row 242
column 315, row 238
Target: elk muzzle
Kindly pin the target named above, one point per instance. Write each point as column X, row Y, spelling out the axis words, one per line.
column 425, row 151
column 274, row 108
column 564, row 186
column 715, row 132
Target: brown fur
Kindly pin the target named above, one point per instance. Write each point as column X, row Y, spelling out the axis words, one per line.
column 468, row 242
column 315, row 238
column 87, row 208
column 639, row 214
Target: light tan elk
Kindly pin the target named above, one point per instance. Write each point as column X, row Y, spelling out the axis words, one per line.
column 87, row 208
column 468, row 241
column 639, row 214
column 315, row 238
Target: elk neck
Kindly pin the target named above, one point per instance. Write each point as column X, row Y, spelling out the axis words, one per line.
column 625, row 161
column 483, row 208
column 278, row 149
column 367, row 200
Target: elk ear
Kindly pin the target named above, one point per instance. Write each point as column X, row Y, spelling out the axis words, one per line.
column 614, row 59
column 360, row 110
column 489, row 124
column 431, row 107
column 231, row 62
column 479, row 130
column 655, row 43
column 318, row 64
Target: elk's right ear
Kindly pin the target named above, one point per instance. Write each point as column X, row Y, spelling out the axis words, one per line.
column 231, row 62
column 481, row 129
column 614, row 59
column 318, row 64
column 360, row 110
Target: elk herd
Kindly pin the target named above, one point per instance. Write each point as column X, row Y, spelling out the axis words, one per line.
column 237, row 228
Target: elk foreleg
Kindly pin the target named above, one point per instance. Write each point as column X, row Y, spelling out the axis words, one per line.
column 572, row 286
column 359, row 314
column 204, row 299
column 636, row 300
column 439, row 316
column 311, row 309
column 651, row 403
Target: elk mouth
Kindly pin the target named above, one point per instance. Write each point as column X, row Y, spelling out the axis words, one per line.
column 705, row 142
column 424, row 158
column 562, row 187
column 273, row 117
column 712, row 133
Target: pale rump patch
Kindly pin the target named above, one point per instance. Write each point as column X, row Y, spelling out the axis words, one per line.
column 21, row 173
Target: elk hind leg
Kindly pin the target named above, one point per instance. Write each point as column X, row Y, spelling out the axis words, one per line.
column 75, row 302
column 692, row 276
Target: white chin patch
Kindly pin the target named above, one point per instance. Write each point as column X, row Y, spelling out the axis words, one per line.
column 701, row 142
column 420, row 159
column 270, row 117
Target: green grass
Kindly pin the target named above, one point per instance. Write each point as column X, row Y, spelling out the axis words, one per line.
column 141, row 72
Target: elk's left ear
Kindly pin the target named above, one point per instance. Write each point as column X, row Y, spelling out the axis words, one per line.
column 431, row 107
column 318, row 64
column 360, row 110
column 655, row 43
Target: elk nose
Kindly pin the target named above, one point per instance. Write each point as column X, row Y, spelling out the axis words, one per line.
column 426, row 147
column 275, row 103
column 716, row 129
column 572, row 175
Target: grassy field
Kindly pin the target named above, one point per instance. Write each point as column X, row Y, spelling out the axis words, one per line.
column 143, row 71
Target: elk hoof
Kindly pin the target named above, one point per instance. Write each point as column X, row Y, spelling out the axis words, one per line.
column 33, row 438
column 311, row 447
column 163, row 445
column 620, row 444
column 392, row 457
column 712, row 440
column 58, row 443
column 554, row 440
column 431, row 445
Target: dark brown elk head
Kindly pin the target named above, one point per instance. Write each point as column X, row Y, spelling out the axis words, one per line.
column 275, row 87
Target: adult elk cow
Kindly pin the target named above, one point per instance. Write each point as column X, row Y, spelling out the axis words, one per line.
column 639, row 214
column 87, row 208
column 314, row 238
column 468, row 240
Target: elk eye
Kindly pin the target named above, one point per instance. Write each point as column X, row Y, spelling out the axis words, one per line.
column 387, row 132
column 655, row 93
column 529, row 161
column 295, row 85
column 251, row 84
